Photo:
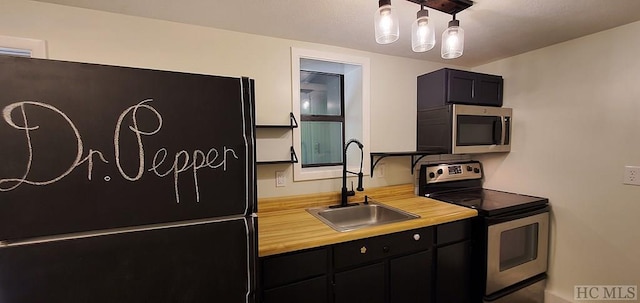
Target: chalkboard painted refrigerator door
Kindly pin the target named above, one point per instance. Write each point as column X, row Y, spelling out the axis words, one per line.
column 93, row 152
column 197, row 263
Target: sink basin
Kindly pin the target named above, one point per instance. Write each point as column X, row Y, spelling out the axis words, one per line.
column 359, row 216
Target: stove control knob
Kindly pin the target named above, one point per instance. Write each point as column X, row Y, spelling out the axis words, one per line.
column 476, row 170
column 440, row 171
column 469, row 168
column 432, row 175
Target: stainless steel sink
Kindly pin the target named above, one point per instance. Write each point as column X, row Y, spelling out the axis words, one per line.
column 359, row 216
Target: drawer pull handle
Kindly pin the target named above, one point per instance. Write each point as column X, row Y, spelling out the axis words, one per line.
column 363, row 250
column 386, row 249
column 416, row 237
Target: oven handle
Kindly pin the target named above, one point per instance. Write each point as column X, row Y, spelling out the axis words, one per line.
column 527, row 213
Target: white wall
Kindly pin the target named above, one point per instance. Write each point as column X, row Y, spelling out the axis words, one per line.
column 90, row 36
column 577, row 117
column 576, row 125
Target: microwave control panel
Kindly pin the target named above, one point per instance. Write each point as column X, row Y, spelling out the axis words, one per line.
column 434, row 173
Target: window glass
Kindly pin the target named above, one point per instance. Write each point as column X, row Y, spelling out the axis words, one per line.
column 15, row 52
column 322, row 118
column 518, row 246
column 322, row 143
column 320, row 93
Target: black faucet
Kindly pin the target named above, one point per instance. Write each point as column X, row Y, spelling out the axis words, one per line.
column 345, row 192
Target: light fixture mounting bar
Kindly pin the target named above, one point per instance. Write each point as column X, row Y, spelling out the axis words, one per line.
column 450, row 7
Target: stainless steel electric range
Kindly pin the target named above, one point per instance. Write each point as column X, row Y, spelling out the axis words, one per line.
column 511, row 232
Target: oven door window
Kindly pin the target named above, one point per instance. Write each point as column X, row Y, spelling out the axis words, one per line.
column 516, row 250
column 478, row 130
column 518, row 246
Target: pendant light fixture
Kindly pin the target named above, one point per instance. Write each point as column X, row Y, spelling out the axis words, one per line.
column 422, row 29
column 423, row 35
column 386, row 23
column 452, row 40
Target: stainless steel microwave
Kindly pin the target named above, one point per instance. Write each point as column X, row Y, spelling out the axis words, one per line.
column 464, row 129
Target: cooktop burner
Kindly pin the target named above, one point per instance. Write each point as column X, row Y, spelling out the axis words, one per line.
column 488, row 201
column 461, row 183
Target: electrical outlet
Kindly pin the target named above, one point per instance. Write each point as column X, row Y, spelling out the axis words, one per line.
column 281, row 180
column 380, row 170
column 632, row 175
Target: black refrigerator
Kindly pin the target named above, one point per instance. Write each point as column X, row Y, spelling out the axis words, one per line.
column 122, row 184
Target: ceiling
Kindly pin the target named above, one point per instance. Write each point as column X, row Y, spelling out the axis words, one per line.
column 494, row 29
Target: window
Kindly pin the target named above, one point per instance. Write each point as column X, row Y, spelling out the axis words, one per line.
column 331, row 96
column 23, row 47
column 322, row 118
column 15, row 52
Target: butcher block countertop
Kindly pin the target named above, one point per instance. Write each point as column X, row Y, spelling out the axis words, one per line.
column 284, row 225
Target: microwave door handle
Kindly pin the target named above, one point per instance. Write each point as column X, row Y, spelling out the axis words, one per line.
column 498, row 131
column 504, row 131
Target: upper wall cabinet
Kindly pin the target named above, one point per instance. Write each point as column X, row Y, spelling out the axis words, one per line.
column 451, row 86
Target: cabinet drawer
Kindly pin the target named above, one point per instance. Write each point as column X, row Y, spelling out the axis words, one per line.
column 371, row 249
column 453, row 232
column 288, row 268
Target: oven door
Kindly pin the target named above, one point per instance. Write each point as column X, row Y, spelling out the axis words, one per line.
column 517, row 248
column 480, row 129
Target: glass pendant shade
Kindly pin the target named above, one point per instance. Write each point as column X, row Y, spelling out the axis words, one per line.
column 452, row 41
column 423, row 35
column 386, row 23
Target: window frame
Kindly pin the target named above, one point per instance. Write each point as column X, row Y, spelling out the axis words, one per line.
column 38, row 48
column 360, row 67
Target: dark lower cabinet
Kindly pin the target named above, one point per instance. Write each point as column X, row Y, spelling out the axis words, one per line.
column 295, row 277
column 405, row 279
column 362, row 284
column 453, row 273
column 310, row 291
column 424, row 265
column 453, row 263
column 410, row 278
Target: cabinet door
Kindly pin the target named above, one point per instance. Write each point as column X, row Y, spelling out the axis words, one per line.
column 295, row 277
column 461, row 87
column 288, row 268
column 410, row 278
column 310, row 291
column 363, row 284
column 453, row 273
column 488, row 90
column 474, row 88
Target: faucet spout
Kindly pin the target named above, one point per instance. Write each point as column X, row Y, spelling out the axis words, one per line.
column 345, row 191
